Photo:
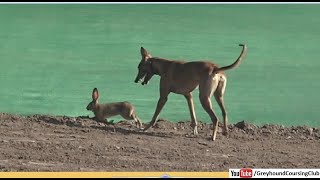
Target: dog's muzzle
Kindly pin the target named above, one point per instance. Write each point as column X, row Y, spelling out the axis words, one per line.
column 141, row 79
column 138, row 80
column 144, row 83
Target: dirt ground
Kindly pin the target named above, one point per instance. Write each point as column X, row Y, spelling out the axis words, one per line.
column 50, row 143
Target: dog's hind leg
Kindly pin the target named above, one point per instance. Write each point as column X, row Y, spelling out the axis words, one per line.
column 218, row 94
column 192, row 113
column 206, row 88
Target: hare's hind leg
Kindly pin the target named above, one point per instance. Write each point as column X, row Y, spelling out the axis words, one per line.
column 137, row 121
column 131, row 115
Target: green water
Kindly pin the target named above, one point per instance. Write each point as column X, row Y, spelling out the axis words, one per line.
column 51, row 57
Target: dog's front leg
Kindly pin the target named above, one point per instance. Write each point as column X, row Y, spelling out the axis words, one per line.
column 164, row 92
column 161, row 102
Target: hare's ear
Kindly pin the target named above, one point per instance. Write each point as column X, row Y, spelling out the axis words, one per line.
column 95, row 94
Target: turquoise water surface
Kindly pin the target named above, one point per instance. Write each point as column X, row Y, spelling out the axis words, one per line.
column 52, row 56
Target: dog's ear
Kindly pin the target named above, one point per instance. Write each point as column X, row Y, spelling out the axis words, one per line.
column 144, row 52
column 95, row 94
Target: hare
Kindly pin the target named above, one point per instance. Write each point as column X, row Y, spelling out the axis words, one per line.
column 103, row 111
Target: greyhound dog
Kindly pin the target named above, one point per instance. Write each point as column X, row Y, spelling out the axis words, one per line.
column 182, row 78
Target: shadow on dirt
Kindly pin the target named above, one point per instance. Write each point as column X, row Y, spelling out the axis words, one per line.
column 123, row 127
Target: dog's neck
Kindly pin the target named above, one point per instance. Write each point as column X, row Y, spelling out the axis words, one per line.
column 159, row 65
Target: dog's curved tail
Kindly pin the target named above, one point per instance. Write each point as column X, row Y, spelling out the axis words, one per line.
column 237, row 62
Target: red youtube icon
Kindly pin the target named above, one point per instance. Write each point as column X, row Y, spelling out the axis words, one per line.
column 245, row 173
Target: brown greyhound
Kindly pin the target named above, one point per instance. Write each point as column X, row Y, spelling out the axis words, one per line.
column 182, row 78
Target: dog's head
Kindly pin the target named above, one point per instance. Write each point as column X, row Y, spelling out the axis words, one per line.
column 145, row 71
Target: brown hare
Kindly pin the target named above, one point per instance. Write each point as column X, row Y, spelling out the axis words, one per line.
column 103, row 111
